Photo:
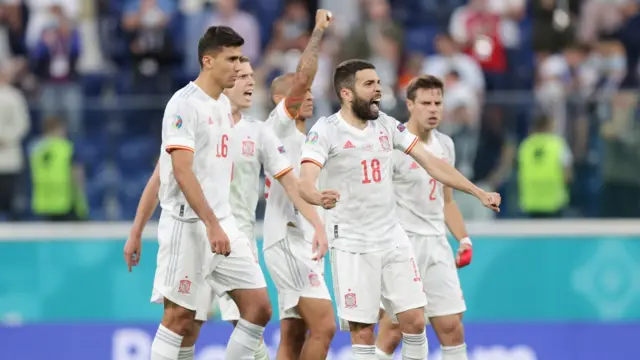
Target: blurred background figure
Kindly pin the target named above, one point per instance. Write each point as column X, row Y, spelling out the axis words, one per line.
column 57, row 175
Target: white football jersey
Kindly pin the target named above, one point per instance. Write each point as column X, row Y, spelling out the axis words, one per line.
column 253, row 145
column 358, row 164
column 196, row 122
column 419, row 197
column 280, row 211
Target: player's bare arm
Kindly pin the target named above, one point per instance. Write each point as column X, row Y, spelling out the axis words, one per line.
column 182, row 163
column 308, row 65
column 290, row 183
column 449, row 176
column 146, row 206
column 455, row 222
column 309, row 173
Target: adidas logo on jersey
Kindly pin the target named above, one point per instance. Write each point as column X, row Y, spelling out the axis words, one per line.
column 349, row 145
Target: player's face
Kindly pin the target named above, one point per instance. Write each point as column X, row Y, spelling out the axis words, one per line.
column 365, row 102
column 225, row 65
column 306, row 109
column 426, row 108
column 241, row 92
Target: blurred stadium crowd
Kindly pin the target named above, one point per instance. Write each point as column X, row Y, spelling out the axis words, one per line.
column 99, row 72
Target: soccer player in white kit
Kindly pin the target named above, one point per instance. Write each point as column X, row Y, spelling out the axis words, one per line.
column 371, row 256
column 195, row 173
column 303, row 297
column 424, row 207
column 251, row 145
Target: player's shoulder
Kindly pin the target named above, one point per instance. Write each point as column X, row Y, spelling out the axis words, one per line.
column 444, row 139
column 389, row 122
column 251, row 120
column 326, row 123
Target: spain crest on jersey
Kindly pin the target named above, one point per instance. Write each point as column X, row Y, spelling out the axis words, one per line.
column 248, row 147
column 384, row 143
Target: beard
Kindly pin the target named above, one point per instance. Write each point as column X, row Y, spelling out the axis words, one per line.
column 364, row 109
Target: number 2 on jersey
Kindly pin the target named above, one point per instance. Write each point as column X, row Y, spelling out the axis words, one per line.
column 432, row 194
column 221, row 149
column 374, row 169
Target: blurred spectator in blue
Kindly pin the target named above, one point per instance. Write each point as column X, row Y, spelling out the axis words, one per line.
column 150, row 44
column 54, row 59
column 15, row 124
column 486, row 35
column 629, row 35
column 228, row 14
column 449, row 58
column 42, row 13
column 291, row 30
column 58, row 175
column 196, row 14
column 11, row 29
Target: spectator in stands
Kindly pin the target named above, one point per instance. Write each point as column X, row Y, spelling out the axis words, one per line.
column 54, row 59
column 628, row 36
column 378, row 29
column 43, row 13
column 228, row 14
column 599, row 16
column 486, row 36
column 544, row 170
column 11, row 29
column 449, row 58
column 553, row 26
column 15, row 124
column 57, row 175
column 150, row 43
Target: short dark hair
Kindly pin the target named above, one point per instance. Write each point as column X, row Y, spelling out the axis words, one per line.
column 345, row 75
column 542, row 122
column 423, row 82
column 217, row 37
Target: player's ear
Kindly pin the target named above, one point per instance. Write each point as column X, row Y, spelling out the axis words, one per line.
column 346, row 94
column 409, row 105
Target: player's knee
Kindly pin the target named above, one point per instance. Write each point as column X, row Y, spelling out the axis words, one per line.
column 450, row 330
column 260, row 312
column 179, row 320
column 324, row 329
column 412, row 321
column 362, row 334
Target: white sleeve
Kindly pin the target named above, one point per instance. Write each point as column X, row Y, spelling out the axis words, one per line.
column 457, row 26
column 282, row 123
column 272, row 153
column 402, row 140
column 180, row 127
column 317, row 146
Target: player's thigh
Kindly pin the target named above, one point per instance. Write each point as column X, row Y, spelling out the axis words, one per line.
column 356, row 286
column 179, row 274
column 441, row 282
column 295, row 274
column 401, row 281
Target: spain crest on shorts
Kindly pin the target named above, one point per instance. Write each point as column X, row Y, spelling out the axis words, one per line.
column 314, row 280
column 248, row 148
column 184, row 287
column 384, row 142
column 350, row 301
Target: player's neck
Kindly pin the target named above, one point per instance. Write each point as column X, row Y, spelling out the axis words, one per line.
column 210, row 87
column 236, row 114
column 301, row 125
column 351, row 118
column 423, row 134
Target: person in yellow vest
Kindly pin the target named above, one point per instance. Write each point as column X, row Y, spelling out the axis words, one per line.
column 544, row 171
column 57, row 176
